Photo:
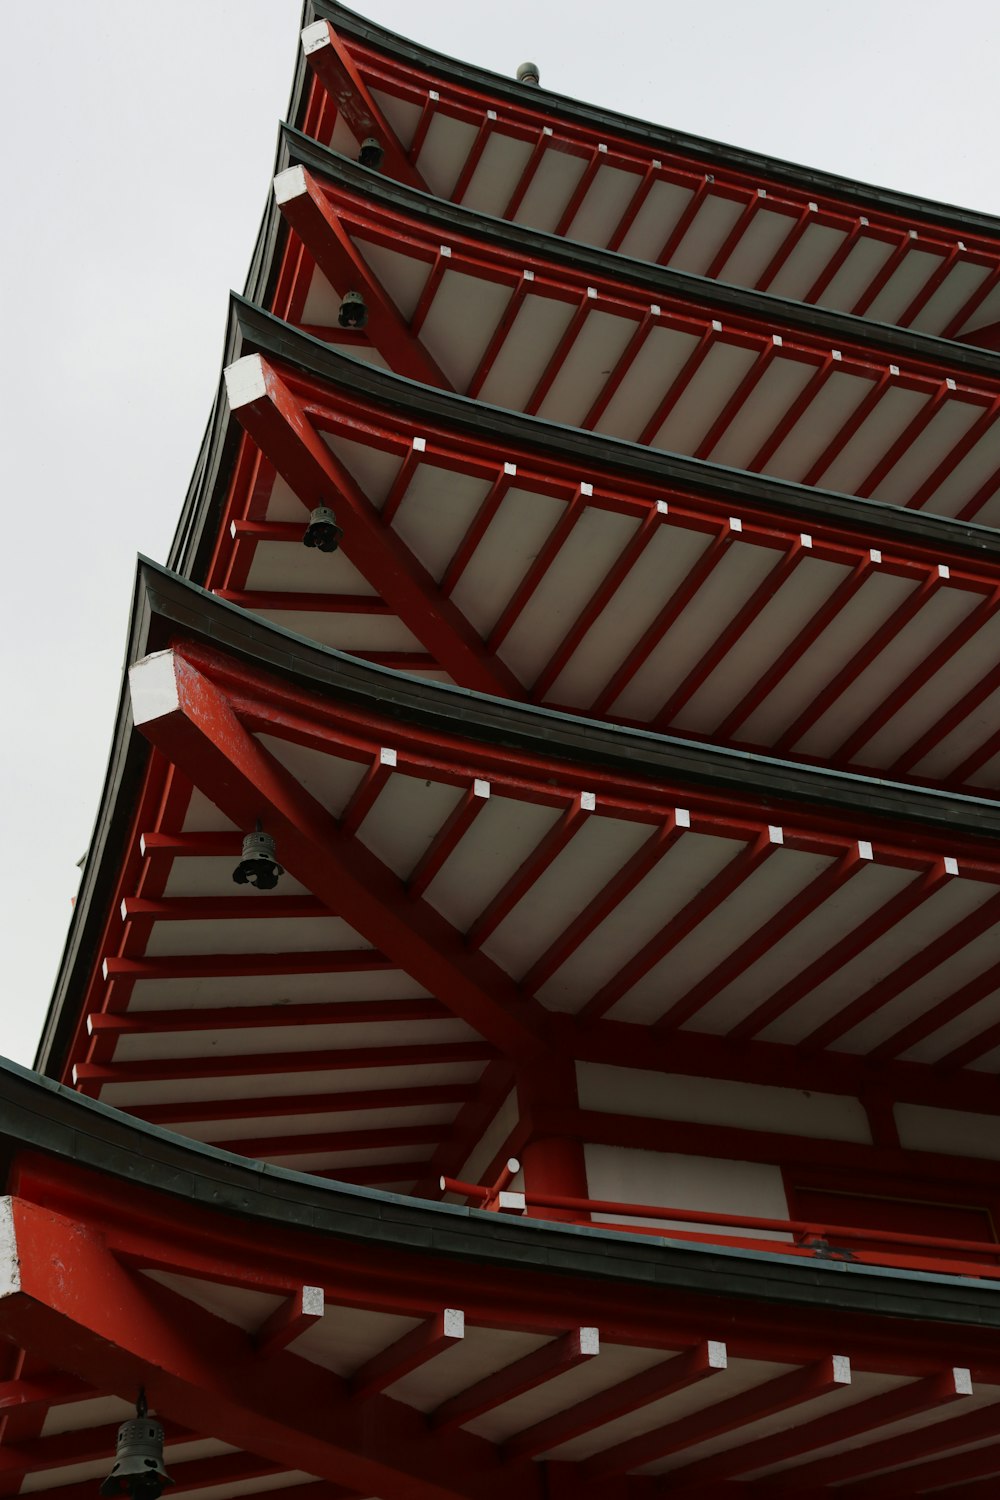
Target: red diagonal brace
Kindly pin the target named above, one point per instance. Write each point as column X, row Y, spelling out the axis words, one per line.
column 189, row 719
column 276, row 421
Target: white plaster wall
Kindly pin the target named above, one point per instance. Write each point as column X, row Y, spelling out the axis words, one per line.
column 950, row 1131
column 667, row 1180
column 714, row 1101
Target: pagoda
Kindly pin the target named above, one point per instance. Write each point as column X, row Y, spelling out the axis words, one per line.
column 530, row 1022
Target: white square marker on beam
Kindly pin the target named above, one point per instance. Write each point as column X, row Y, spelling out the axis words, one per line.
column 835, row 354
column 805, row 539
column 528, row 275
column 894, row 371
column 959, row 244
column 863, row 221
column 716, row 326
column 943, row 570
column 602, row 147
column 386, row 757
column 682, row 818
column 546, row 130
column 875, row 555
column 950, row 865
column 949, row 384
column 420, row 445
column 585, row 488
column 591, row 291
column 776, row 340
column 480, row 788
column 735, row 524
column 491, row 114
column 813, row 208
column 588, row 801
column 654, row 308
column 510, row 468
column 865, row 849
column 662, row 507
column 776, row 835
column 433, row 94
column 656, row 165
column 762, row 192
column 446, row 251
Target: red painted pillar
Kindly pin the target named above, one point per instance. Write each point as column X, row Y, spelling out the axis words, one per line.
column 552, row 1157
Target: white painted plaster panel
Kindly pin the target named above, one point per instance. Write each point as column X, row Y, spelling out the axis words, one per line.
column 276, row 935
column 402, row 115
column 675, row 879
column 497, row 174
column 272, row 1041
column 583, row 373
column 779, row 386
column 950, row 1131
column 909, row 277
column 497, row 843
column 862, row 265
column 594, row 855
column 435, row 513
column 329, row 779
column 884, row 424
column 819, row 423
column 950, row 297
column 512, row 541
column 576, row 572
column 715, row 1101
column 266, row 989
column 716, row 379
column 874, row 602
column 552, row 185
column 730, row 584
column 202, row 816
column 405, row 819
column 927, row 450
column 969, row 476
column 663, row 565
column 444, row 151
column 667, row 1180
column 757, row 247
column 607, row 198
column 777, row 626
column 800, row 271
column 706, row 235
column 461, row 321
column 655, row 221
column 491, row 1141
column 290, row 568
column 274, row 1085
column 657, row 363
column 372, row 467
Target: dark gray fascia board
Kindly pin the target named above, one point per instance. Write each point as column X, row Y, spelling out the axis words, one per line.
column 721, row 297
column 657, row 138
column 262, row 332
column 39, row 1115
column 168, row 604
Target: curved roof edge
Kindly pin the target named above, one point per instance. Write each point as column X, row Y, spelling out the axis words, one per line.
column 165, row 604
column 39, row 1115
column 722, row 296
column 351, row 24
column 251, row 329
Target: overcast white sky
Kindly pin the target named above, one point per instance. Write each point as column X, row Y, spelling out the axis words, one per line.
column 137, row 145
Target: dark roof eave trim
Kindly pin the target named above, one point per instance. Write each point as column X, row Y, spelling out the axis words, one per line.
column 39, row 1115
column 656, row 137
column 174, row 604
column 262, row 332
column 722, row 297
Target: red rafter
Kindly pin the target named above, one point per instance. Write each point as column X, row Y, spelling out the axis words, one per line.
column 513, row 1380
column 416, row 1348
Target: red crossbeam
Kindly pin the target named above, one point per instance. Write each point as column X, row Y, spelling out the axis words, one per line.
column 290, row 1320
column 797, row 1388
column 535, row 1369
column 416, row 1348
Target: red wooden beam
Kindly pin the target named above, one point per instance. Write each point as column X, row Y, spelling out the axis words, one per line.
column 643, row 188
column 937, row 277
column 217, row 1018
column 635, row 869
column 246, row 965
column 742, row 393
column 739, row 229
column 337, row 71
column 318, row 604
column 835, row 262
column 416, row 1348
column 821, row 889
column 598, row 601
column 323, row 231
column 956, row 1004
column 687, row 217
column 680, row 383
column 55, row 1389
column 278, row 1106
column 290, row 1320
column 910, row 1400
column 192, row 723
column 787, row 1392
column 514, row 1380
column 448, row 837
column 546, row 851
column 619, row 1400
column 792, row 413
column 884, row 274
column 748, row 858
column 873, row 927
column 597, row 159
column 73, row 1298
column 573, row 510
column 796, row 229
column 908, row 973
column 277, row 422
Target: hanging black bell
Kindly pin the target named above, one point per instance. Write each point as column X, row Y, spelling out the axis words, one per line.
column 258, row 866
column 323, row 531
column 353, row 312
column 138, row 1468
column 371, row 153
